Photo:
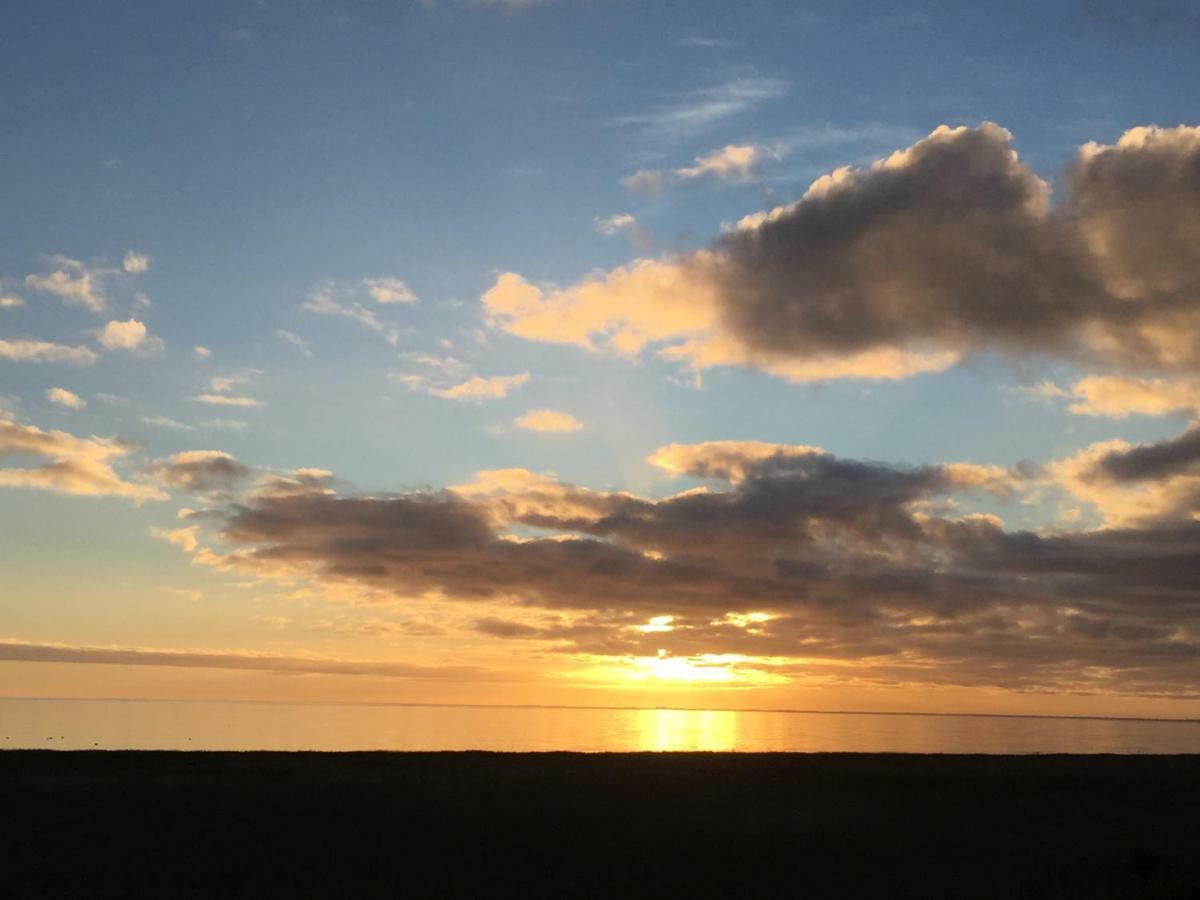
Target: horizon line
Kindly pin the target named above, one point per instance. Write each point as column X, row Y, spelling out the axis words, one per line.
column 612, row 708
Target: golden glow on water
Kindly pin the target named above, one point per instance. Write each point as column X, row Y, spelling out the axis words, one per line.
column 184, row 725
column 665, row 730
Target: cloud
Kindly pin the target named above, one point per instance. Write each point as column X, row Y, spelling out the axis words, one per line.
column 1045, row 390
column 331, row 299
column 548, row 420
column 700, row 111
column 645, row 181
column 166, row 422
column 447, row 365
column 389, row 290
column 324, row 301
column 733, row 162
column 610, row 225
column 63, row 397
column 130, row 335
column 9, row 301
column 801, row 564
column 731, row 461
column 226, row 424
column 135, row 263
column 201, row 352
column 940, row 251
column 23, row 651
column 46, row 352
column 1137, row 486
column 199, row 471
column 67, row 464
column 223, row 384
column 227, row 400
column 296, row 341
column 74, row 282
column 476, row 388
column 1116, row 397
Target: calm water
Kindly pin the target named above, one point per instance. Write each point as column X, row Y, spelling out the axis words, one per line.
column 73, row 724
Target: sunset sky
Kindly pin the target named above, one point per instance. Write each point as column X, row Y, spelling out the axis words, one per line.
column 755, row 354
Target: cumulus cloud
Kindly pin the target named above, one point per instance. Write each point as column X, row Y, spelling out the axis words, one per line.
column 548, row 420
column 73, row 281
column 733, row 162
column 1116, row 397
column 130, row 336
column 67, row 464
column 200, row 471
column 135, row 263
column 10, row 301
column 1137, row 486
column 201, row 352
column 942, row 250
column 802, row 564
column 46, row 352
column 63, row 397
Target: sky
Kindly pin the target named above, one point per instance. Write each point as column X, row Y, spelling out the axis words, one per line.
column 602, row 352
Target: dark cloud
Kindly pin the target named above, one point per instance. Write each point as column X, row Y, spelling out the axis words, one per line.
column 941, row 246
column 200, row 471
column 1151, row 462
column 952, row 244
column 841, row 563
column 948, row 248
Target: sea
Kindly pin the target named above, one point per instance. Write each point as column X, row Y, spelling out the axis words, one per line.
column 202, row 725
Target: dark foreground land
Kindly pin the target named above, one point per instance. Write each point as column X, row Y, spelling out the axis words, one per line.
column 565, row 825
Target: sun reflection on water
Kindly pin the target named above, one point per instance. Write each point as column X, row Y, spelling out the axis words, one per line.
column 684, row 729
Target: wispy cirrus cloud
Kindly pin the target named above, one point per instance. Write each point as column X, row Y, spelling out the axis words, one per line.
column 690, row 115
column 301, row 345
column 350, row 301
column 25, row 651
column 228, row 400
column 476, row 388
column 46, row 352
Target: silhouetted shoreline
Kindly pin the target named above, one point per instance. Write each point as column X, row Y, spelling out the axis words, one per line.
column 561, row 824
